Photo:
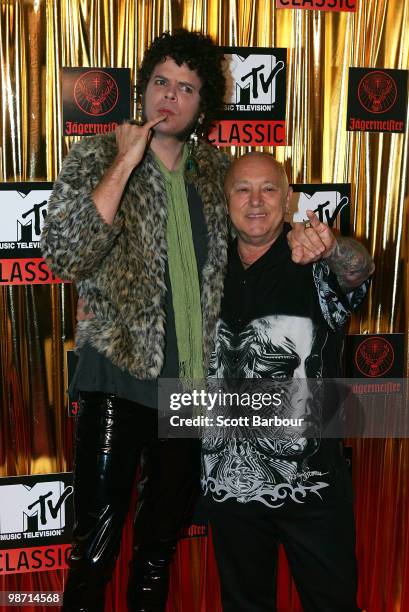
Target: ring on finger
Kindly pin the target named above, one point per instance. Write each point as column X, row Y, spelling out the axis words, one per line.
column 307, row 224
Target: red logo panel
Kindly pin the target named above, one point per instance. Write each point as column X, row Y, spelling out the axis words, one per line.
column 36, row 559
column 377, row 100
column 96, row 93
column 248, row 133
column 377, row 92
column 374, row 357
column 318, row 5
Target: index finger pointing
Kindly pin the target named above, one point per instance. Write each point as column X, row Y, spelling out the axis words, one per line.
column 150, row 124
column 322, row 230
column 315, row 222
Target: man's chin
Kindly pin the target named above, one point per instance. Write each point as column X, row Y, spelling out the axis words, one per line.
column 166, row 130
column 259, row 237
column 255, row 235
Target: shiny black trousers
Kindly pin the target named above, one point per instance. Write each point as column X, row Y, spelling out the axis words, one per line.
column 115, row 440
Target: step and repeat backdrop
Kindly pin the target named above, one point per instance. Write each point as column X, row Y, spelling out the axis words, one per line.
column 323, row 84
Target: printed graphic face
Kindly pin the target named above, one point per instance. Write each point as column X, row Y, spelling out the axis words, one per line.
column 251, row 465
column 258, row 197
column 173, row 91
column 289, row 348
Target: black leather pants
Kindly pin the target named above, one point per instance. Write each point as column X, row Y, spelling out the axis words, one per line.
column 113, row 438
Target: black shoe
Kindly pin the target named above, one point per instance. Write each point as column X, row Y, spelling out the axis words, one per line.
column 149, row 578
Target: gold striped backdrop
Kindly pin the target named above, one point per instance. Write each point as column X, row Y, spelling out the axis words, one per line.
column 38, row 37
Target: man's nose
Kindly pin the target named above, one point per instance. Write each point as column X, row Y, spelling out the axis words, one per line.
column 255, row 197
column 170, row 93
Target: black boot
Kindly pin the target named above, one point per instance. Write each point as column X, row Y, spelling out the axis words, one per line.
column 149, row 577
column 106, row 459
column 166, row 490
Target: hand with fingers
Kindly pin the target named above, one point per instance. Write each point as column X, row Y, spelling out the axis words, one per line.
column 310, row 241
column 132, row 140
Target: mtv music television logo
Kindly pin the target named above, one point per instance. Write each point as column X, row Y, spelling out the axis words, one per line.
column 35, row 509
column 254, row 81
column 254, row 109
column 329, row 201
column 23, row 212
column 24, row 209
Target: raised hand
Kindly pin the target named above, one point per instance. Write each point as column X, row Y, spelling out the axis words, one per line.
column 312, row 243
column 132, row 140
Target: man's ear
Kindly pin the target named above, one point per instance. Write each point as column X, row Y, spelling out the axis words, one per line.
column 226, row 204
column 288, row 199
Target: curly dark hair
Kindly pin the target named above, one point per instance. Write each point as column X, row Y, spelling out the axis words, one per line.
column 200, row 54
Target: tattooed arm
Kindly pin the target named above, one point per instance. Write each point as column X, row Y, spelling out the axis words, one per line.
column 347, row 258
column 350, row 262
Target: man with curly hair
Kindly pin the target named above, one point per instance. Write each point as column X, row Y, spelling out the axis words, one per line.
column 137, row 220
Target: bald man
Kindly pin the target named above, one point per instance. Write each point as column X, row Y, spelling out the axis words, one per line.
column 286, row 321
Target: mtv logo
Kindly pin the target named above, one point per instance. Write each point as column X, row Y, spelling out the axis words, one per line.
column 45, row 502
column 25, row 231
column 254, row 78
column 23, row 214
column 327, row 205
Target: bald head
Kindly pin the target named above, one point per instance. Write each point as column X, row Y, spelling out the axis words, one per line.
column 233, row 173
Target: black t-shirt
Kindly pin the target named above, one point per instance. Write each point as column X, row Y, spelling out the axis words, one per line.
column 279, row 320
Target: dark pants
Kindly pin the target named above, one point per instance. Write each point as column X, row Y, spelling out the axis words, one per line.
column 115, row 437
column 319, row 542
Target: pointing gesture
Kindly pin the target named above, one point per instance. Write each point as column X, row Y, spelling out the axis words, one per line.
column 310, row 241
